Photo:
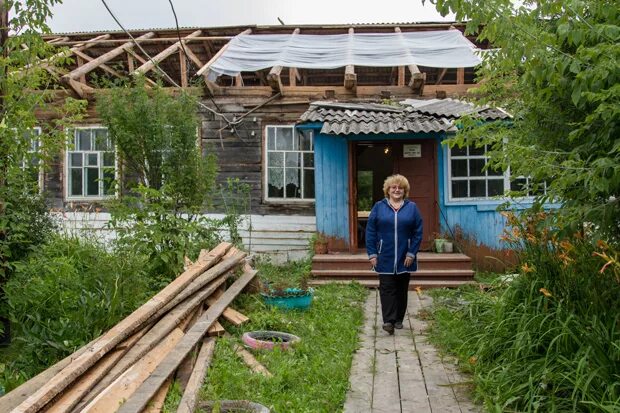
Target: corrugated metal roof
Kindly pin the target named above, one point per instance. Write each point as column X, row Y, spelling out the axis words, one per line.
column 453, row 108
column 341, row 118
column 415, row 116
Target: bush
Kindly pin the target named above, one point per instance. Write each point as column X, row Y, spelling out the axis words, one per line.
column 547, row 340
column 65, row 294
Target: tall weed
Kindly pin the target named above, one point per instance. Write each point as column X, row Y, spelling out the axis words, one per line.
column 548, row 339
column 66, row 293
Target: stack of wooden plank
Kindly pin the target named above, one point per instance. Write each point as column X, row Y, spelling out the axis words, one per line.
column 129, row 368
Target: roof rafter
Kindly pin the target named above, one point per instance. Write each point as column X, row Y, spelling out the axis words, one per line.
column 149, row 65
column 273, row 77
column 350, row 78
column 417, row 77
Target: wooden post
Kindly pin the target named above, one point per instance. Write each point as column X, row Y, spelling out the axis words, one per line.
column 350, row 78
column 274, row 75
column 417, row 77
column 460, row 76
column 183, row 68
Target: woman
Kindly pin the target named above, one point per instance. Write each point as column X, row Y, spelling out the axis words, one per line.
column 393, row 237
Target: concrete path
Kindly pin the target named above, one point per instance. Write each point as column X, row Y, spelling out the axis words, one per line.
column 403, row 373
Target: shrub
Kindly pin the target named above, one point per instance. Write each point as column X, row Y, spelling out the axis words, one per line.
column 65, row 294
column 548, row 339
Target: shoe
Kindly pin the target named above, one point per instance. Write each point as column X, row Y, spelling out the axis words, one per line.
column 389, row 328
column 398, row 325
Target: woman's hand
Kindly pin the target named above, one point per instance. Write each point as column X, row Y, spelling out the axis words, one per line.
column 373, row 262
column 408, row 261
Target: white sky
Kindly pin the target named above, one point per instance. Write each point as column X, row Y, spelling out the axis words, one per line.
column 91, row 15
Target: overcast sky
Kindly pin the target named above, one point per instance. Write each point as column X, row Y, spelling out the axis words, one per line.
column 91, row 15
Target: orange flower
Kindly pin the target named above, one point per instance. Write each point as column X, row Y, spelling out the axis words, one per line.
column 545, row 292
column 418, row 289
column 526, row 268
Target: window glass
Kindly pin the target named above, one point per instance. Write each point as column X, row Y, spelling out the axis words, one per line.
column 91, row 164
column 290, row 163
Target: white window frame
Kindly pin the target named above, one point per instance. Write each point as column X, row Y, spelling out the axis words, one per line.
column 72, row 148
column 506, row 178
column 267, row 151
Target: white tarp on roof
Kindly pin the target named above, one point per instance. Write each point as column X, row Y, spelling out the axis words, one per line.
column 249, row 53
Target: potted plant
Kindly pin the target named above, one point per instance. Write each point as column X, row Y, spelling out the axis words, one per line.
column 287, row 297
column 319, row 243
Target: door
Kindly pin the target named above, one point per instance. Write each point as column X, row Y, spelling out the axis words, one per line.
column 416, row 160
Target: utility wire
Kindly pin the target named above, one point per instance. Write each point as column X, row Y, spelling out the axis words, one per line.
column 176, row 22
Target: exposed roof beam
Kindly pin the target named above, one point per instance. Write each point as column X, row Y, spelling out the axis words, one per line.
column 58, row 39
column 204, row 70
column 105, row 57
column 417, row 77
column 145, row 41
column 350, row 78
column 441, row 75
column 164, row 54
column 80, row 88
column 192, row 56
column 460, row 76
column 102, row 65
column 274, row 75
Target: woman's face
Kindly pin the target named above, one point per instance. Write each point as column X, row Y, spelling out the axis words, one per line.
column 396, row 192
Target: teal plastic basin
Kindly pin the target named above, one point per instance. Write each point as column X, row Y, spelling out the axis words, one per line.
column 292, row 299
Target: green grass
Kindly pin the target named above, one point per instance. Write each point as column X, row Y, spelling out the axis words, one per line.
column 312, row 377
column 548, row 340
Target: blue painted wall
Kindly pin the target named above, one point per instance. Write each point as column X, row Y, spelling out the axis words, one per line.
column 477, row 219
column 331, row 180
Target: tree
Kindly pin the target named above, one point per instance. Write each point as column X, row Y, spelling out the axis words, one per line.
column 26, row 64
column 556, row 70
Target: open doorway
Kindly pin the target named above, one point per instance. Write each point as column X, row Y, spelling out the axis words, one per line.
column 374, row 162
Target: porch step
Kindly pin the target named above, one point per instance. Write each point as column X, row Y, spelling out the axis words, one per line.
column 458, row 274
column 424, row 284
column 426, row 261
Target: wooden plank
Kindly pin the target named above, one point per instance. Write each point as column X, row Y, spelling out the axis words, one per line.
column 216, row 330
column 230, row 314
column 150, row 64
column 101, row 66
column 190, row 395
column 385, row 397
column 169, row 322
column 441, row 75
column 249, row 359
column 122, row 388
column 184, row 371
column 75, row 74
column 87, row 381
column 156, row 405
column 117, row 334
column 192, row 56
column 140, row 398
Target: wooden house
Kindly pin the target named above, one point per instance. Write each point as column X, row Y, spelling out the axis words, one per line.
column 307, row 117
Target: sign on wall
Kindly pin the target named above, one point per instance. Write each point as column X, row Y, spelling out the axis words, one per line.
column 412, row 151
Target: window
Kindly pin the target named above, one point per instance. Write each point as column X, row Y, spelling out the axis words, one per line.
column 469, row 179
column 91, row 164
column 290, row 164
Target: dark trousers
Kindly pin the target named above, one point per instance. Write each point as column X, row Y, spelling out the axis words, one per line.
column 393, row 290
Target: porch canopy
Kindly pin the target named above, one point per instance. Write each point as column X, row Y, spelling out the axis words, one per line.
column 412, row 116
column 437, row 48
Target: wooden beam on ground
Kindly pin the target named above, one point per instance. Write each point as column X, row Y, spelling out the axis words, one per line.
column 87, row 381
column 123, row 387
column 203, row 361
column 249, row 359
column 93, row 64
column 159, row 400
column 417, row 77
column 169, row 317
column 230, row 314
column 216, row 330
column 273, row 78
column 147, row 390
column 350, row 78
column 149, row 65
column 117, row 334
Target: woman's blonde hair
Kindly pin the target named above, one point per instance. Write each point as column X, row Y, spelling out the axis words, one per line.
column 396, row 180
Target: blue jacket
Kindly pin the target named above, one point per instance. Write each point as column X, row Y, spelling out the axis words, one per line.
column 392, row 235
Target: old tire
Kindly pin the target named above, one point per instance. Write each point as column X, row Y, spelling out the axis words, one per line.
column 268, row 340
